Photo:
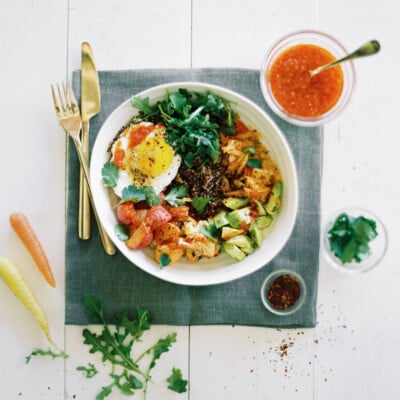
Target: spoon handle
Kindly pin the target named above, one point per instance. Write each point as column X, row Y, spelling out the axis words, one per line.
column 367, row 49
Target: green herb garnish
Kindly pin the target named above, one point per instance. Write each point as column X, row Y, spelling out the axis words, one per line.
column 349, row 237
column 193, row 121
column 164, row 260
column 175, row 196
column 90, row 371
column 45, row 353
column 200, row 203
column 144, row 193
column 110, row 174
column 115, row 344
column 254, row 163
column 176, row 382
column 122, row 232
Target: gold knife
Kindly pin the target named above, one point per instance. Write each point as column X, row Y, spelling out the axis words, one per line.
column 90, row 106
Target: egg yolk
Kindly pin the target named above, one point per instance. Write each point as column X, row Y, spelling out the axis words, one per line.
column 153, row 156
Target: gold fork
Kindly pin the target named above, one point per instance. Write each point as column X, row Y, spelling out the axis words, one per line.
column 68, row 114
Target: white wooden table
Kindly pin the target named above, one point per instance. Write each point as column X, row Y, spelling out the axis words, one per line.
column 353, row 351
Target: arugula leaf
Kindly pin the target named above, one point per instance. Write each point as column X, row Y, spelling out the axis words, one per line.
column 41, row 352
column 175, row 195
column 193, row 121
column 115, row 344
column 200, row 203
column 176, row 382
column 110, row 174
column 90, row 371
column 349, row 237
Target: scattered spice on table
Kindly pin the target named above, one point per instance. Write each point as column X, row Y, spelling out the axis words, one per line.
column 284, row 292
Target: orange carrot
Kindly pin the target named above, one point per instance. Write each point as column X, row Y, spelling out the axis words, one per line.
column 25, row 232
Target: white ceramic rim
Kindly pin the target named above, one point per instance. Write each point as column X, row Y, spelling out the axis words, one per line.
column 319, row 38
column 222, row 268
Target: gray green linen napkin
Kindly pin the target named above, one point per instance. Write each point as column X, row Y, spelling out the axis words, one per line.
column 120, row 285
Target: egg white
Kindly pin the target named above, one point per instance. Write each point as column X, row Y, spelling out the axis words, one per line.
column 138, row 178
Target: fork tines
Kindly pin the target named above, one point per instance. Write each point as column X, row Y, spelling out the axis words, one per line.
column 67, row 101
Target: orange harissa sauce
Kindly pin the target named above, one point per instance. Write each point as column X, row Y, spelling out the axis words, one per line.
column 295, row 90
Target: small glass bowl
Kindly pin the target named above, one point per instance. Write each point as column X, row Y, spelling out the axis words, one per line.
column 378, row 245
column 267, row 283
column 322, row 40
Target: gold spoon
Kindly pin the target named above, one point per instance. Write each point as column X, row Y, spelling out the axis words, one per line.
column 367, row 49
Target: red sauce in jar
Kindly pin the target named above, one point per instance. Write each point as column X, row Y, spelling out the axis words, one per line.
column 293, row 87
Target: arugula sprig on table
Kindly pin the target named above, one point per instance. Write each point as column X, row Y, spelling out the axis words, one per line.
column 193, row 121
column 116, row 347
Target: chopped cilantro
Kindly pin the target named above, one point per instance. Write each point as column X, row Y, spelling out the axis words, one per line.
column 122, row 232
column 164, row 260
column 110, row 174
column 175, row 195
column 249, row 150
column 200, row 203
column 349, row 237
column 144, row 193
column 254, row 163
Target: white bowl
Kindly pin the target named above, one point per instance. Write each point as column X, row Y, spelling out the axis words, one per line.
column 222, row 268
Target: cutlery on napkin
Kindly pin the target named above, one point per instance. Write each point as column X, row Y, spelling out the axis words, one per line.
column 90, row 106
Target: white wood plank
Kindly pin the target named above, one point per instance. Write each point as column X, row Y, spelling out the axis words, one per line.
column 238, row 362
column 236, row 33
column 130, row 34
column 33, row 37
column 358, row 336
column 80, row 387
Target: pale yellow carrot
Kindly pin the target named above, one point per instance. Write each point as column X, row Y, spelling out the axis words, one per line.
column 12, row 276
column 25, row 232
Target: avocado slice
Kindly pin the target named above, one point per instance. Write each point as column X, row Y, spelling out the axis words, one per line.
column 260, row 207
column 243, row 242
column 240, row 217
column 228, row 232
column 221, row 219
column 256, row 234
column 273, row 205
column 233, row 251
column 263, row 222
column 235, row 202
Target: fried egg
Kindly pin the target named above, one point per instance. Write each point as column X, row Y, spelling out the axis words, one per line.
column 144, row 157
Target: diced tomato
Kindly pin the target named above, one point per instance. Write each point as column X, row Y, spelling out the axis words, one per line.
column 138, row 133
column 157, row 216
column 240, row 126
column 119, row 155
column 141, row 237
column 126, row 213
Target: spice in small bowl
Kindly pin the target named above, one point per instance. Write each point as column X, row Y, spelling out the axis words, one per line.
column 355, row 240
column 283, row 292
